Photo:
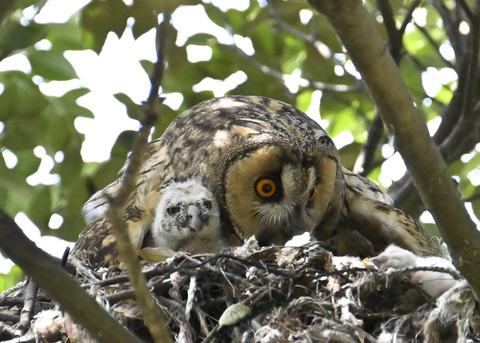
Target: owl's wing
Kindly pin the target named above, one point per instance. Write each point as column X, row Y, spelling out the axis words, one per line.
column 153, row 172
column 359, row 184
column 371, row 212
column 96, row 244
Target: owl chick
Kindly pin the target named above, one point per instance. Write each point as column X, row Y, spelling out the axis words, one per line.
column 433, row 283
column 187, row 218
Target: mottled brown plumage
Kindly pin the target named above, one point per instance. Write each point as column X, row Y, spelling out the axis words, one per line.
column 274, row 172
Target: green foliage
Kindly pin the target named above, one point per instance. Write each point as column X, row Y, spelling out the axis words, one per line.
column 11, row 278
column 290, row 41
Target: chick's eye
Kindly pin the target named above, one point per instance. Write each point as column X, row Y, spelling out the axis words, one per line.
column 313, row 193
column 173, row 210
column 265, row 188
column 207, row 204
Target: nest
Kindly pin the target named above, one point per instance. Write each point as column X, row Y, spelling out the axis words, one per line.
column 251, row 294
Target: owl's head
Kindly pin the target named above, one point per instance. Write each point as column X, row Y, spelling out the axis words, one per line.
column 281, row 178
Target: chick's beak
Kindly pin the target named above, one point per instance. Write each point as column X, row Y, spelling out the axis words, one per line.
column 195, row 222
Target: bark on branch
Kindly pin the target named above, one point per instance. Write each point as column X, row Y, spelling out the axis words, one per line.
column 357, row 31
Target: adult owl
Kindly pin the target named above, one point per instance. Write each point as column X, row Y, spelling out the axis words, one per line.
column 274, row 172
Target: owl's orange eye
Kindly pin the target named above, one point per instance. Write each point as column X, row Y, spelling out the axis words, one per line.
column 313, row 193
column 265, row 188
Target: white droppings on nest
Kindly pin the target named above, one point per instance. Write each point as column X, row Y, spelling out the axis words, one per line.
column 249, row 245
column 347, row 316
column 267, row 334
column 347, row 262
column 47, row 324
column 299, row 240
column 53, row 325
column 386, row 337
column 192, row 287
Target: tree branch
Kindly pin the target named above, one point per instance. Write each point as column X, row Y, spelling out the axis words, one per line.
column 5, row 7
column 459, row 130
column 153, row 316
column 57, row 283
column 359, row 35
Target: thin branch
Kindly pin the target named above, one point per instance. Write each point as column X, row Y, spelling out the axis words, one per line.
column 451, row 26
column 322, row 48
column 468, row 11
column 366, row 159
column 153, row 316
column 409, row 15
column 5, row 7
column 356, row 29
column 435, row 45
column 304, row 83
column 394, row 35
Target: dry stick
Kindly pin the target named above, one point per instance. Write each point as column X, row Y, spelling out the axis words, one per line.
column 48, row 274
column 153, row 316
column 357, row 31
column 28, row 308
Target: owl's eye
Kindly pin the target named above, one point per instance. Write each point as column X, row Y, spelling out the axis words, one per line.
column 313, row 193
column 265, row 188
column 173, row 210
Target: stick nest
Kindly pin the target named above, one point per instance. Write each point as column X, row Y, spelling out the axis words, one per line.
column 251, row 294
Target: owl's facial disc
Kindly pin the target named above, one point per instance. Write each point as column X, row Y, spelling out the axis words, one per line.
column 274, row 194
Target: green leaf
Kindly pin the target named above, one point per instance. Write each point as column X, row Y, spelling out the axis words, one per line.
column 66, row 36
column 21, row 97
column 58, row 134
column 27, row 163
column 145, row 13
column 349, row 154
column 51, row 65
column 15, row 36
column 215, row 14
column 10, row 279
column 101, row 17
column 41, row 208
column 134, row 110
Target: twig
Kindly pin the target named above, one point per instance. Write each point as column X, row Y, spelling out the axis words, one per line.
column 451, row 26
column 435, row 45
column 469, row 13
column 366, row 160
column 154, row 318
column 303, row 83
column 394, row 35
column 9, row 317
column 28, row 338
column 28, row 308
column 408, row 15
column 322, row 48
